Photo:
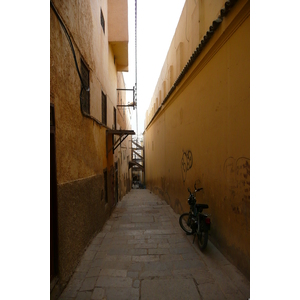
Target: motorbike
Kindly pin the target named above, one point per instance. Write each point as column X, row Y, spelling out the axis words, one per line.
column 195, row 222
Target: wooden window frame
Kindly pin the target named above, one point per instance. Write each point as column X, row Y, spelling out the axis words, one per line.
column 102, row 20
column 104, row 108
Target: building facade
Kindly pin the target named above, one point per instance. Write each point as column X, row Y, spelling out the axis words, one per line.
column 88, row 53
column 197, row 127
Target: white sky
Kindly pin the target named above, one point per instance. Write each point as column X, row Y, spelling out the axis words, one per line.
column 156, row 24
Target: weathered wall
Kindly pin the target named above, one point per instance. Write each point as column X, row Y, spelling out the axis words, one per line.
column 202, row 133
column 80, row 141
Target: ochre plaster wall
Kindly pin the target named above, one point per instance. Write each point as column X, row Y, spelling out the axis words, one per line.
column 202, row 133
column 80, row 141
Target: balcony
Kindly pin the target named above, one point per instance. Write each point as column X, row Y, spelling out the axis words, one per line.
column 118, row 32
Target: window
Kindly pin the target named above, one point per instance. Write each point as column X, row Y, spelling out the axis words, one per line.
column 115, row 118
column 104, row 109
column 102, row 20
column 85, row 95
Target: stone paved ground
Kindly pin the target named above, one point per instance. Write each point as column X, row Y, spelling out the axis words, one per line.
column 142, row 253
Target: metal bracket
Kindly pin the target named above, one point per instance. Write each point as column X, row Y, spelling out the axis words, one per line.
column 123, row 135
column 133, row 104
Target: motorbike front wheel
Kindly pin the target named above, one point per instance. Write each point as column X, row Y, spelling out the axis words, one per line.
column 202, row 234
column 185, row 223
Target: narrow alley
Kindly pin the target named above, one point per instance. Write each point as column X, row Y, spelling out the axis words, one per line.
column 142, row 253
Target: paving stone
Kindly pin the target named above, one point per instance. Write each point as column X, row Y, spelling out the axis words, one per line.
column 79, row 275
column 145, row 258
column 142, row 253
column 84, row 266
column 175, row 239
column 178, row 244
column 202, row 277
column 136, row 283
column 97, row 263
column 158, row 251
column 130, row 226
column 97, row 241
column 128, row 233
column 88, row 284
column 118, row 265
column 142, row 219
column 133, row 274
column 175, row 250
column 190, row 256
column 135, row 266
column 122, row 293
column 101, row 235
column 163, row 245
column 104, row 281
column 157, row 240
column 72, row 288
column 113, row 273
column 160, row 237
column 143, row 236
column 137, row 251
column 137, row 241
column 84, row 296
column 118, row 251
column 145, row 246
column 170, row 257
column 118, row 241
column 93, row 272
column 98, row 294
column 151, row 274
column 158, row 266
column 183, row 273
column 188, row 264
column 211, row 291
column 169, row 289
column 237, row 278
column 118, row 257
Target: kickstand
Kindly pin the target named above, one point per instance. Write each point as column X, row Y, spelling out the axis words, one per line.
column 194, row 238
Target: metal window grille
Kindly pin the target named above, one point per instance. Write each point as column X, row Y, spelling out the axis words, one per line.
column 102, row 20
column 85, row 95
column 104, row 109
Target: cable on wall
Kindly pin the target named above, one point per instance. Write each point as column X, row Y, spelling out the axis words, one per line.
column 70, row 43
column 137, row 132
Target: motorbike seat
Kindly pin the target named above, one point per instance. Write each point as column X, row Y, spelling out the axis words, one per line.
column 201, row 206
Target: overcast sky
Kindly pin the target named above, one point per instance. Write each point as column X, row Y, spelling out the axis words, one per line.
column 156, row 24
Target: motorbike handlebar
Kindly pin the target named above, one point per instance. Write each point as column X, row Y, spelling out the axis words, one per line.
column 196, row 190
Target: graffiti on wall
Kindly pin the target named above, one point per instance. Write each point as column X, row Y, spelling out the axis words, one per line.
column 237, row 172
column 186, row 163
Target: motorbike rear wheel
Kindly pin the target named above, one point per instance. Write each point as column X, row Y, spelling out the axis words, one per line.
column 202, row 235
column 185, row 222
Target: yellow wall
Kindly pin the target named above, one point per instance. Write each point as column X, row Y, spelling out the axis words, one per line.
column 202, row 132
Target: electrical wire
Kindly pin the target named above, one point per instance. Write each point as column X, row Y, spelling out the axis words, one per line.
column 137, row 133
column 70, row 43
